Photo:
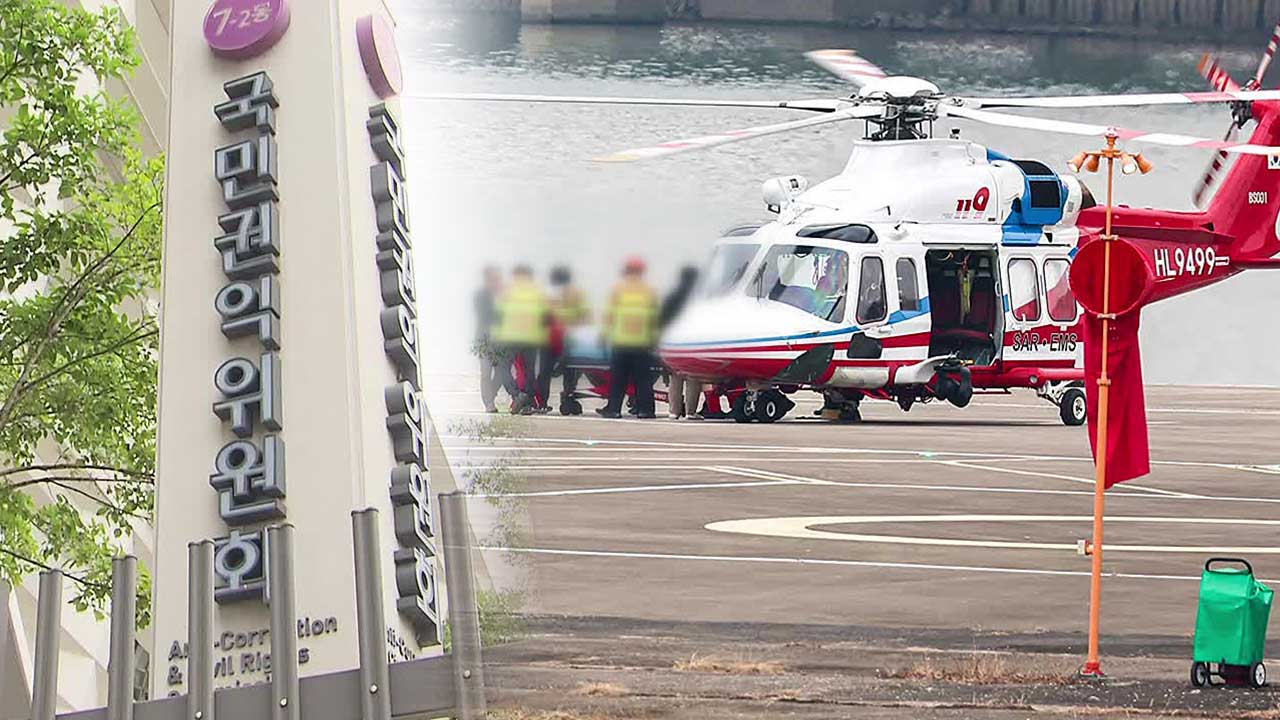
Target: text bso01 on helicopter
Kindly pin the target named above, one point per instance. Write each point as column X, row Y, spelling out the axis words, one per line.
column 930, row 268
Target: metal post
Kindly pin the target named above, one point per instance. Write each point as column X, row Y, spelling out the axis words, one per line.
column 464, row 618
column 375, row 684
column 284, row 631
column 120, row 666
column 44, row 694
column 200, row 630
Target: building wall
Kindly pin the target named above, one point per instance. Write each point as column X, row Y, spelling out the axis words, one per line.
column 84, row 643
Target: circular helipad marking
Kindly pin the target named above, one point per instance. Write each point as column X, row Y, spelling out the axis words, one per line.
column 803, row 528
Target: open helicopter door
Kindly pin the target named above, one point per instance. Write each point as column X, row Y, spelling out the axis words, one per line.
column 966, row 304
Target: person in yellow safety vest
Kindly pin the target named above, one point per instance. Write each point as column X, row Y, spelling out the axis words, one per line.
column 522, row 333
column 569, row 311
column 631, row 323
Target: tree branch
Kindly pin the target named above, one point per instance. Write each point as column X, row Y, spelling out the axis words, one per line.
column 101, row 501
column 79, row 466
column 70, row 576
column 129, row 339
column 56, row 479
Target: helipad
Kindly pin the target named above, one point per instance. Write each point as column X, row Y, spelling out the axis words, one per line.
column 939, row 518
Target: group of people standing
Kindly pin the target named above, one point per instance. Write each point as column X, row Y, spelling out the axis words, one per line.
column 522, row 336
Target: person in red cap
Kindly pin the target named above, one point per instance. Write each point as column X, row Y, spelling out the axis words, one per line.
column 631, row 326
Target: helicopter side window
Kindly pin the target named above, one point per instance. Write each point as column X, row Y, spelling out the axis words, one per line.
column 812, row 279
column 873, row 304
column 1024, row 289
column 1062, row 302
column 729, row 262
column 908, row 285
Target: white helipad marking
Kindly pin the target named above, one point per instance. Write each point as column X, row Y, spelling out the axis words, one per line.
column 1173, row 410
column 839, row 563
column 1054, row 476
column 934, row 454
column 802, row 528
column 640, row 488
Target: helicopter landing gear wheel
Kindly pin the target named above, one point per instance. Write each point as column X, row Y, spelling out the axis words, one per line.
column 1257, row 675
column 772, row 406
column 1199, row 674
column 1073, row 408
column 744, row 408
column 850, row 413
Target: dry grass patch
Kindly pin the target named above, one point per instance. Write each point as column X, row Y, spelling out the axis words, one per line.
column 601, row 689
column 713, row 664
column 522, row 714
column 980, row 669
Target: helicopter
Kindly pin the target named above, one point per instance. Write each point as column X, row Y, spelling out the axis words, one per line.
column 934, row 268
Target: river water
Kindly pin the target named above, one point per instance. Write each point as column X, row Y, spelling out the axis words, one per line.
column 508, row 183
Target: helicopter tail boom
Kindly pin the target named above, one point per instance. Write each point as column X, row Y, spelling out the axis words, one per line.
column 1247, row 204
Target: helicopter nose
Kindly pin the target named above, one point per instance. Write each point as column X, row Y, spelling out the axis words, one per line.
column 739, row 338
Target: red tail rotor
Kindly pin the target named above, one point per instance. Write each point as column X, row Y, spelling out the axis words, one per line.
column 1220, row 80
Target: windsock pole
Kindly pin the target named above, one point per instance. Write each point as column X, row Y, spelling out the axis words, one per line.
column 1093, row 665
column 1090, row 162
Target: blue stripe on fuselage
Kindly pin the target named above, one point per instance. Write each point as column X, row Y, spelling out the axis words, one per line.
column 896, row 317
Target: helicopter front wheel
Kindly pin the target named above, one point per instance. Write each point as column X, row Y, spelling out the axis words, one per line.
column 1073, row 408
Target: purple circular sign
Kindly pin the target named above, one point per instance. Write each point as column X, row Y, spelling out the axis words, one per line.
column 240, row 29
column 377, row 41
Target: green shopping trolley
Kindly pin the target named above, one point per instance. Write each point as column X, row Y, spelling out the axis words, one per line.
column 1231, row 625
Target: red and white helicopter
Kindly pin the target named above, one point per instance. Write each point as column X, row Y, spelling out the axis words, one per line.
column 931, row 268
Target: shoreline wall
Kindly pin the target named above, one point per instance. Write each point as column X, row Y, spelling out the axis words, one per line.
column 1221, row 19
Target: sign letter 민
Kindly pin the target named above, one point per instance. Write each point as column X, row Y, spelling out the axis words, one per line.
column 415, row 561
column 248, row 473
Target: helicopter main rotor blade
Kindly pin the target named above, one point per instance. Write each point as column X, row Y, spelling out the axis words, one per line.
column 1088, row 101
column 1267, row 56
column 1084, row 129
column 708, row 141
column 822, row 105
column 1220, row 80
column 1210, row 177
column 847, row 65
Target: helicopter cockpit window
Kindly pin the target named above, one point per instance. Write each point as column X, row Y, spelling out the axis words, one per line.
column 729, row 263
column 1024, row 289
column 873, row 303
column 1062, row 302
column 813, row 279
